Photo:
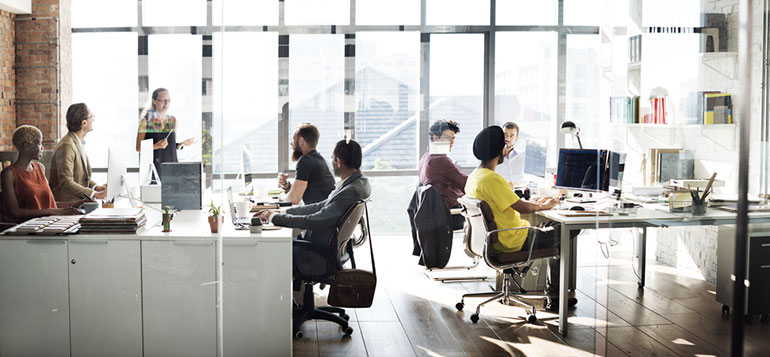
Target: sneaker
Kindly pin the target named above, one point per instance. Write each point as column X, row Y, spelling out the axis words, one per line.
column 553, row 304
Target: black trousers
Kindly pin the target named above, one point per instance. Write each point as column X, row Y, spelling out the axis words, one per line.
column 548, row 240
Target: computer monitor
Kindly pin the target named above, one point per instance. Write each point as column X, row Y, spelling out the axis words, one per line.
column 589, row 169
column 536, row 150
column 146, row 166
column 246, row 165
column 116, row 170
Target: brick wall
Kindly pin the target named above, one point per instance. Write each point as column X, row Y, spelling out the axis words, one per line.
column 36, row 68
column 7, row 80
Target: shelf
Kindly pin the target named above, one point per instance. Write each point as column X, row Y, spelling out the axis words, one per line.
column 673, row 126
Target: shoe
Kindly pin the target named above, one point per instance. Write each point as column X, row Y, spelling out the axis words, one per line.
column 553, row 304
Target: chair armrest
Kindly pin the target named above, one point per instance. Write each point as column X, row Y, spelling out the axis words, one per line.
column 314, row 247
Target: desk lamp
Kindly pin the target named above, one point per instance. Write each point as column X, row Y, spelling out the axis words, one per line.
column 569, row 127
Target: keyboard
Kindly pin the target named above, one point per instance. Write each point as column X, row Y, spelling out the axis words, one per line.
column 51, row 225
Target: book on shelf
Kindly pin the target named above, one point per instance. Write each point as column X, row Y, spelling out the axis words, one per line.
column 657, row 111
column 624, row 110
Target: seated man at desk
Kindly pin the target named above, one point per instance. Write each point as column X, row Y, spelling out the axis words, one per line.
column 512, row 168
column 486, row 185
column 314, row 182
column 70, row 176
column 319, row 219
column 26, row 193
column 437, row 169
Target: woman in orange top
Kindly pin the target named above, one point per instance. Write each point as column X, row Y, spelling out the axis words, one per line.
column 26, row 193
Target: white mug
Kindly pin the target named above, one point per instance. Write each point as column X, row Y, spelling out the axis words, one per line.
column 242, row 209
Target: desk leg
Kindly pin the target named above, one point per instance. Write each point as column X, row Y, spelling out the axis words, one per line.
column 565, row 271
column 573, row 276
column 641, row 255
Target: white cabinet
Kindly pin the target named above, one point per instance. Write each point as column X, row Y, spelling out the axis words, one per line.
column 178, row 286
column 105, row 297
column 256, row 313
column 34, row 302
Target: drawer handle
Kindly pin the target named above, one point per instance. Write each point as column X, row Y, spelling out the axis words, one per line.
column 45, row 241
column 192, row 243
column 89, row 241
column 765, row 266
column 765, row 245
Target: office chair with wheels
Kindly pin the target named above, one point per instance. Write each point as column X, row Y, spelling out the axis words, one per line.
column 482, row 237
column 333, row 257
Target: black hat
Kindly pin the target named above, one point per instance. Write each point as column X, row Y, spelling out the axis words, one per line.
column 489, row 143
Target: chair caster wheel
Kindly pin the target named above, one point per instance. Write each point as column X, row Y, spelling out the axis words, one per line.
column 299, row 334
column 460, row 306
column 725, row 310
column 532, row 319
column 474, row 318
column 348, row 331
column 345, row 317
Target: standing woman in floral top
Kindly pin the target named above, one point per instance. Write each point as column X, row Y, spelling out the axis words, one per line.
column 158, row 125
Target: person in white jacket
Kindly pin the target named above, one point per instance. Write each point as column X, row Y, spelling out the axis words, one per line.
column 512, row 169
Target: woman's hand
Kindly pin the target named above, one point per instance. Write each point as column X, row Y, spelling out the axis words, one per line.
column 189, row 141
column 161, row 144
column 64, row 211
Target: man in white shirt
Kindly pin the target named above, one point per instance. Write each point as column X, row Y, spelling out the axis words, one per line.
column 512, row 168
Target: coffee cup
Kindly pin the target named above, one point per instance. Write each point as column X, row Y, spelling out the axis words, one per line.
column 89, row 207
column 242, row 209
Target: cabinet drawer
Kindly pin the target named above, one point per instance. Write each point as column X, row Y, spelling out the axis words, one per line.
column 759, row 251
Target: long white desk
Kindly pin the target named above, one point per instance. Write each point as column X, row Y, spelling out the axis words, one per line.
column 643, row 219
column 150, row 293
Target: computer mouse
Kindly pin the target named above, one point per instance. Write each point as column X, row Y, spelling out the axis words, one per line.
column 577, row 208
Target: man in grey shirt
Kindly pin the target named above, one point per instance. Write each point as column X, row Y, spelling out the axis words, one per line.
column 320, row 219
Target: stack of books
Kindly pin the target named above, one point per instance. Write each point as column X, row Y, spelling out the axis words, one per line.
column 709, row 107
column 624, row 110
column 113, row 220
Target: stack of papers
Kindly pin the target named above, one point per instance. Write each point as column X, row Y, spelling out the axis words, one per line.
column 113, row 220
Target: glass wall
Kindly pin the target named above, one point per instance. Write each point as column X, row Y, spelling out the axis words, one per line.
column 654, row 81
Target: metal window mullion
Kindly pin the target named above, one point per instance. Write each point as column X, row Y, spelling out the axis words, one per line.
column 422, row 124
column 561, row 78
column 765, row 119
column 489, row 69
column 349, row 83
column 283, row 92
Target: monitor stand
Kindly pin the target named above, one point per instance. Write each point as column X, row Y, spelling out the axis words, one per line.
column 580, row 200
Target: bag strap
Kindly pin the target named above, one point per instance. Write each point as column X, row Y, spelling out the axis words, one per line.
column 369, row 232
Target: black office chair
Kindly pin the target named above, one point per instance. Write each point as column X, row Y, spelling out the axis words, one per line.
column 334, row 257
column 483, row 234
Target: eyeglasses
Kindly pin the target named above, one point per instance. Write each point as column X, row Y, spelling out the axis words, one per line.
column 165, row 101
column 91, row 117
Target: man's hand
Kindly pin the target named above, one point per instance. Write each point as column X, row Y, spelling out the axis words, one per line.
column 548, row 202
column 283, row 180
column 100, row 195
column 100, row 188
column 507, row 150
column 264, row 215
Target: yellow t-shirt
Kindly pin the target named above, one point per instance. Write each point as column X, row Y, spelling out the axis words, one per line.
column 489, row 186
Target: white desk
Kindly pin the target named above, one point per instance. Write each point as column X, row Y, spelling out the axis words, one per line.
column 150, row 293
column 644, row 218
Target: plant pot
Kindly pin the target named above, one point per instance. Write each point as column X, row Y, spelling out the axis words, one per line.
column 255, row 229
column 214, row 223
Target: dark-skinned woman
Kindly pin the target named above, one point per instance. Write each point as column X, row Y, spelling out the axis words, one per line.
column 26, row 193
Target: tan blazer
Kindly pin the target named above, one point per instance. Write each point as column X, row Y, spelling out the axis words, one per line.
column 70, row 174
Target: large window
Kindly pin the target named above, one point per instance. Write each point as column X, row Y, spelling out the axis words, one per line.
column 387, row 109
column 106, row 80
column 245, row 101
column 457, row 87
column 317, row 87
column 244, row 12
column 313, row 12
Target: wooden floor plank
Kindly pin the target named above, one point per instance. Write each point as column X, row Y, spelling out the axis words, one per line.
column 714, row 331
column 332, row 342
column 425, row 328
column 588, row 342
column 528, row 339
column 652, row 300
column 681, row 341
column 475, row 339
column 632, row 312
column 307, row 346
column 381, row 309
column 385, row 338
column 634, row 342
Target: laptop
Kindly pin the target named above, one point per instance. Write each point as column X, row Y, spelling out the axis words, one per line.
column 239, row 223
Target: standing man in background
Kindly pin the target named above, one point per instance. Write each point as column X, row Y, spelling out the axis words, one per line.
column 70, row 175
column 512, row 169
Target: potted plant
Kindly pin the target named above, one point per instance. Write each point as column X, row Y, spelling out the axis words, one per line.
column 214, row 217
column 256, row 225
column 167, row 216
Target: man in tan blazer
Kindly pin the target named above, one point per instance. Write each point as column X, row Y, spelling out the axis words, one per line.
column 70, row 174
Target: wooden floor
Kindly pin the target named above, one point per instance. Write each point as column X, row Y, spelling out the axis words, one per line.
column 413, row 315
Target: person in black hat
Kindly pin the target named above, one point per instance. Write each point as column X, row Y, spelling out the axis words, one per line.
column 487, row 185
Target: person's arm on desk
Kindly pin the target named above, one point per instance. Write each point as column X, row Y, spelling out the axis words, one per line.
column 543, row 203
column 296, row 191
